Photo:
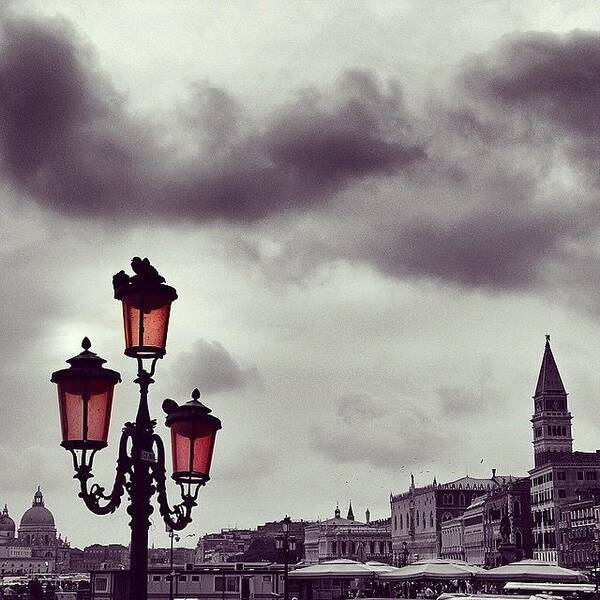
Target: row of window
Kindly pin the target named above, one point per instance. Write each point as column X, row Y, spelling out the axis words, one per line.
column 542, row 496
column 543, row 517
column 552, row 431
column 544, row 541
column 374, row 547
column 545, row 478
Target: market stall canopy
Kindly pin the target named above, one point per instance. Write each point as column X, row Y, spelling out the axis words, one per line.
column 379, row 567
column 435, row 568
column 335, row 568
column 532, row 570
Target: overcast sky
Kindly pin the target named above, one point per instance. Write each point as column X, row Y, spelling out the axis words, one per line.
column 372, row 212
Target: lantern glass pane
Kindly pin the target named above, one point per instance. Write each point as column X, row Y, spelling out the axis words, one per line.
column 148, row 338
column 77, row 423
column 192, row 446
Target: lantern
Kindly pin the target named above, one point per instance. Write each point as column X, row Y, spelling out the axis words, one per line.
column 146, row 309
column 85, row 394
column 193, row 433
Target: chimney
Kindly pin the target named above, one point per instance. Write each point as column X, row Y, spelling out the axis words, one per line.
column 493, row 474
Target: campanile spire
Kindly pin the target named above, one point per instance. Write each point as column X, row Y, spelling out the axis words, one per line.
column 551, row 419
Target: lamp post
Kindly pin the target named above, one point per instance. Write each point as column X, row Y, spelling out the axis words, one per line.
column 177, row 538
column 287, row 543
column 85, row 394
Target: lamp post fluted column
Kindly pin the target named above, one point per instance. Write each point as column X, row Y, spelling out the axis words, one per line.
column 85, row 394
column 285, row 543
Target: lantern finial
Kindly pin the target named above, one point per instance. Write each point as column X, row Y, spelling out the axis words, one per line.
column 86, row 344
column 196, row 394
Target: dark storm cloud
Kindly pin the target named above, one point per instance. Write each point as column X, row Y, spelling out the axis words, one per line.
column 65, row 137
column 479, row 210
column 69, row 141
column 546, row 75
column 211, row 368
column 508, row 197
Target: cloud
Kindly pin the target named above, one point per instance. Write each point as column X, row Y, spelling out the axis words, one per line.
column 365, row 430
column 211, row 368
column 507, row 200
column 545, row 75
column 492, row 186
column 70, row 142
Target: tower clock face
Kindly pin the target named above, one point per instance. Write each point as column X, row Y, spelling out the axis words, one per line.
column 555, row 404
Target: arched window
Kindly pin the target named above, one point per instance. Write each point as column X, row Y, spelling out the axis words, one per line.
column 461, row 499
column 417, row 518
column 431, row 519
column 401, row 522
column 517, row 508
column 395, row 523
column 424, row 522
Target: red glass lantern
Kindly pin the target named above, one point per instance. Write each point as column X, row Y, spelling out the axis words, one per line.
column 146, row 309
column 193, row 433
column 85, row 394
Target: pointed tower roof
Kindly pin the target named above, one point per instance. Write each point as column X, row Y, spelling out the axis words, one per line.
column 350, row 512
column 549, row 378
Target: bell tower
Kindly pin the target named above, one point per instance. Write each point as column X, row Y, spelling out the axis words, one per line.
column 551, row 421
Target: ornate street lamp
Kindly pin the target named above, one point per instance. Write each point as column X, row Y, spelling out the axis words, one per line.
column 287, row 543
column 85, row 393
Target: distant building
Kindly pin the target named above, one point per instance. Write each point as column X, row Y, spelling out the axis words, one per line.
column 109, row 556
column 494, row 529
column 417, row 515
column 577, row 530
column 507, row 506
column 247, row 545
column 162, row 556
column 226, row 546
column 560, row 476
column 340, row 537
column 473, row 534
column 36, row 548
column 452, row 539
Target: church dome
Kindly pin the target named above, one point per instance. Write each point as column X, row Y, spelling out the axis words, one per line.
column 38, row 515
column 6, row 523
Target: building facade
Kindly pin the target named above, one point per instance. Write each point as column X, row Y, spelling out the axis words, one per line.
column 560, row 475
column 452, row 546
column 226, row 546
column 417, row 515
column 507, row 523
column 347, row 538
column 36, row 541
column 578, row 529
column 473, row 532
